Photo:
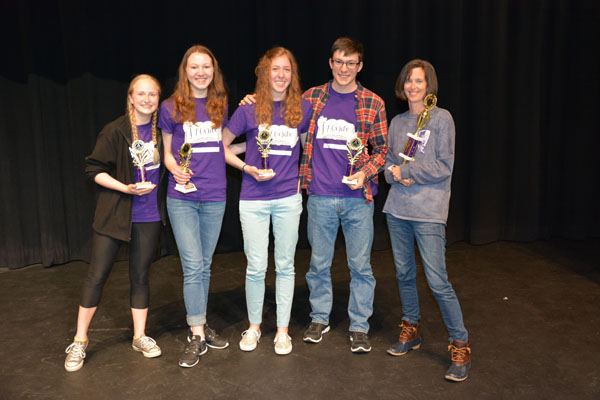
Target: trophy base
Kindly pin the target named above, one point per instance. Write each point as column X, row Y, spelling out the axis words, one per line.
column 187, row 188
column 349, row 181
column 265, row 173
column 143, row 185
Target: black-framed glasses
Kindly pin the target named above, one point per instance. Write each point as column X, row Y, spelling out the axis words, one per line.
column 350, row 64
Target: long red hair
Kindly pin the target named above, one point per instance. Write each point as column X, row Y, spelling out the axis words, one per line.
column 184, row 106
column 291, row 109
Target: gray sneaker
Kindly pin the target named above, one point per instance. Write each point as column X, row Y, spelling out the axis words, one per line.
column 75, row 355
column 250, row 339
column 283, row 344
column 147, row 346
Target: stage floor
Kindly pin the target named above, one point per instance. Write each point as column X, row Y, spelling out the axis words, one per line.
column 532, row 311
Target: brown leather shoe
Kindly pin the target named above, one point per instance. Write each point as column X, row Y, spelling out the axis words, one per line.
column 460, row 353
column 410, row 339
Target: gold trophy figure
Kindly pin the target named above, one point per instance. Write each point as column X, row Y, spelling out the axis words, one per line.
column 414, row 139
column 263, row 140
column 141, row 156
column 354, row 148
column 185, row 157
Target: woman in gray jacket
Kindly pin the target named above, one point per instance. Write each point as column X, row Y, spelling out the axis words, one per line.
column 417, row 209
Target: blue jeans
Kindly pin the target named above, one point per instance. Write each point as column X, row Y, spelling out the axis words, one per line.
column 255, row 216
column 431, row 239
column 325, row 213
column 196, row 226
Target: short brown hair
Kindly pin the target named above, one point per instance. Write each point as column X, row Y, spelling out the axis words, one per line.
column 348, row 46
column 430, row 77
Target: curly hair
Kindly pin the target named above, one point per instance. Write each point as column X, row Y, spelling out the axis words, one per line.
column 184, row 106
column 291, row 109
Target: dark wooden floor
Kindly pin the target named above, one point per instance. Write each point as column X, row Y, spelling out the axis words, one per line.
column 532, row 311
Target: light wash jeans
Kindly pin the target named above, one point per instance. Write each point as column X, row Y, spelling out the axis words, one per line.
column 325, row 213
column 255, row 216
column 196, row 226
column 431, row 239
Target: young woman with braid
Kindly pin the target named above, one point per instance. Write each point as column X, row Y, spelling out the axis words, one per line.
column 281, row 111
column 124, row 213
column 195, row 114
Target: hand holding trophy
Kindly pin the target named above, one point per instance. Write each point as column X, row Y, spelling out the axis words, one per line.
column 414, row 139
column 141, row 156
column 354, row 148
column 185, row 157
column 263, row 140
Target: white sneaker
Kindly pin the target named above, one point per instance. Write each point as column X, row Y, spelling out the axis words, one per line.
column 250, row 338
column 283, row 344
column 147, row 346
column 75, row 355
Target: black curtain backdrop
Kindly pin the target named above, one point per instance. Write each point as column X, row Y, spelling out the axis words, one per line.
column 520, row 78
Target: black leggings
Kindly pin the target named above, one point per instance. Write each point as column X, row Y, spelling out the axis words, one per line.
column 142, row 248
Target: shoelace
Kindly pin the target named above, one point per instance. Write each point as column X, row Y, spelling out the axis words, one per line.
column 407, row 332
column 459, row 354
column 146, row 342
column 193, row 346
column 76, row 350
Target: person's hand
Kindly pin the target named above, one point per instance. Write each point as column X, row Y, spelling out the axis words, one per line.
column 247, row 100
column 407, row 182
column 254, row 172
column 180, row 176
column 360, row 180
column 396, row 173
column 132, row 189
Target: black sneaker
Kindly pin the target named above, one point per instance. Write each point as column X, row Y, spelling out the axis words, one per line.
column 314, row 332
column 193, row 350
column 213, row 340
column 360, row 342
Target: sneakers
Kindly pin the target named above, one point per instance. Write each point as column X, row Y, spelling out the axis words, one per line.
column 283, row 344
column 75, row 355
column 460, row 353
column 147, row 346
column 213, row 340
column 359, row 342
column 192, row 352
column 410, row 339
column 314, row 332
column 250, row 339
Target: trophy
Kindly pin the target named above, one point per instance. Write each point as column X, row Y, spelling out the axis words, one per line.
column 354, row 148
column 185, row 156
column 141, row 156
column 414, row 139
column 263, row 140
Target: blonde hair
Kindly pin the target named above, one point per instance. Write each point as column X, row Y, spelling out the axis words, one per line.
column 184, row 105
column 291, row 109
column 131, row 113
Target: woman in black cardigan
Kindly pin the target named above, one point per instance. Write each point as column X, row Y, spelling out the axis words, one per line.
column 127, row 211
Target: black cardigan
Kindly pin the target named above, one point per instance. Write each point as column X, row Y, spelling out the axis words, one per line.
column 111, row 155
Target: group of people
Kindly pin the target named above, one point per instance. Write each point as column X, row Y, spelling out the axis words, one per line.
column 331, row 140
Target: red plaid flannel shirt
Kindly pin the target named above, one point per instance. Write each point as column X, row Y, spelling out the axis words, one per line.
column 372, row 128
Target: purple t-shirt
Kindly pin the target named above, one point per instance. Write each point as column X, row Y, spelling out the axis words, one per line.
column 283, row 156
column 334, row 127
column 208, row 159
column 145, row 208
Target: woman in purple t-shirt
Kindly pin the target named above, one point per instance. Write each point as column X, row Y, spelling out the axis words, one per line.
column 192, row 118
column 126, row 212
column 270, row 191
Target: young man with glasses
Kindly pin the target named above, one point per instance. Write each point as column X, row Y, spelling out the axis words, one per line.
column 343, row 110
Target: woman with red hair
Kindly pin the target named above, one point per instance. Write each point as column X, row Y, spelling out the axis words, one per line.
column 193, row 119
column 270, row 191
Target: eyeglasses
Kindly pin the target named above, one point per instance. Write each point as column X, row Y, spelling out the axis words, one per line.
column 349, row 64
